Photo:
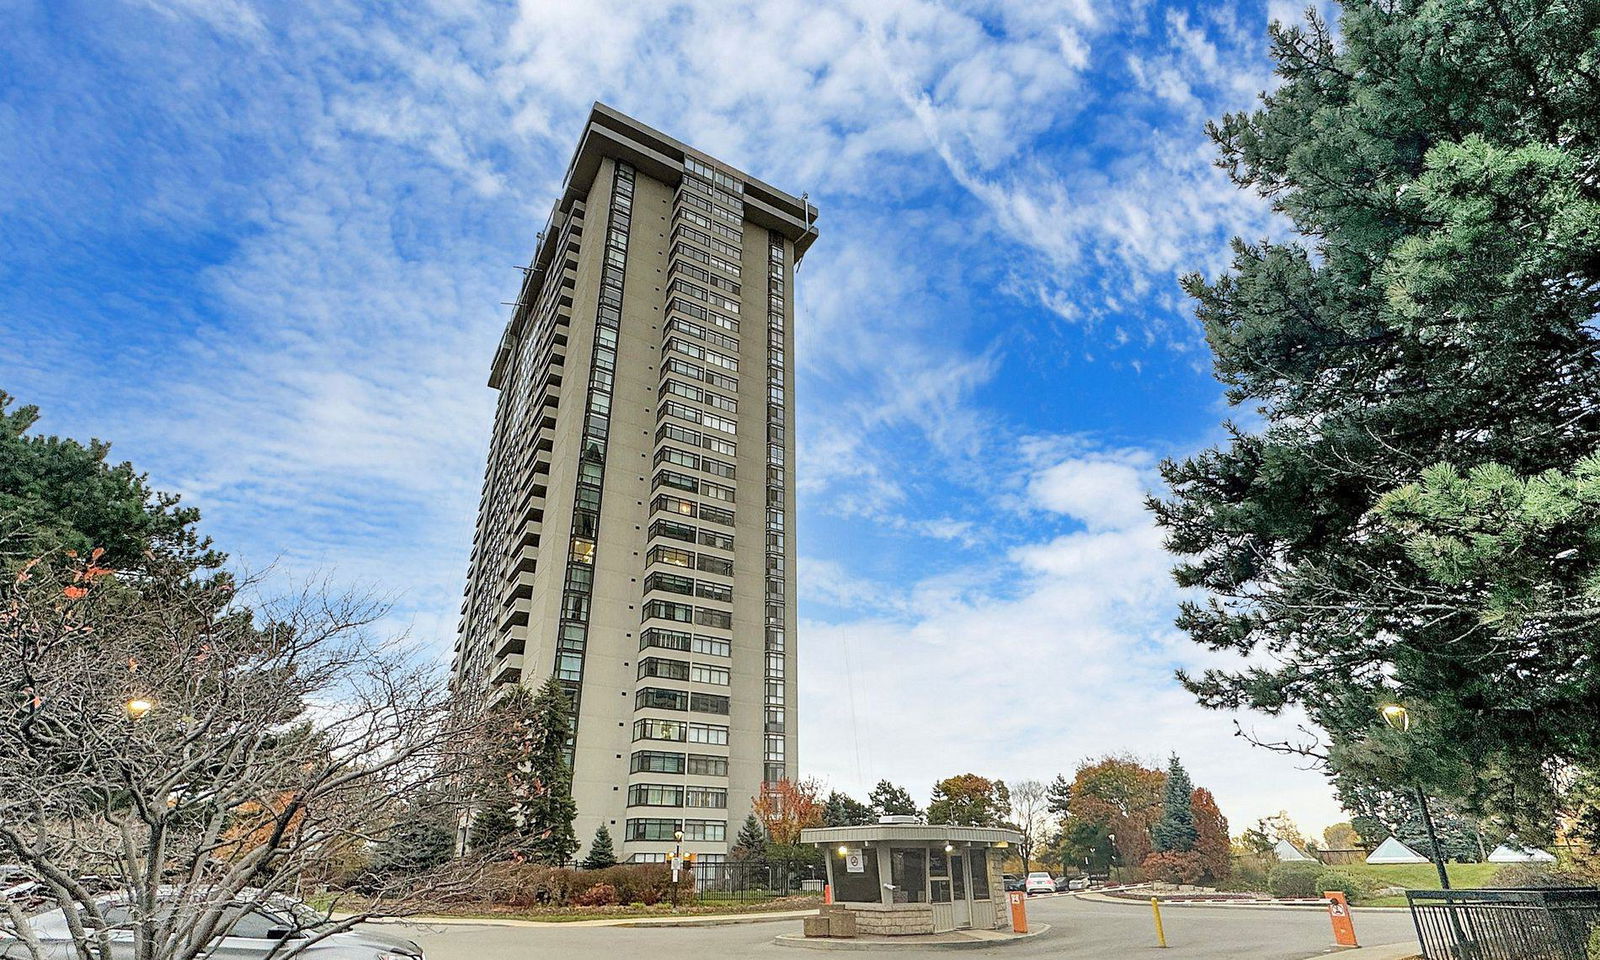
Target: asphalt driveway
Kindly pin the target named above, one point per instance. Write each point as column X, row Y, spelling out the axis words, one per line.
column 1080, row 930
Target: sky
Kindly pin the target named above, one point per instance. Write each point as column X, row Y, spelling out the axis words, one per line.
column 264, row 248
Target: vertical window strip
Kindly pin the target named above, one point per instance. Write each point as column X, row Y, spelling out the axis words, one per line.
column 574, row 629
column 776, row 596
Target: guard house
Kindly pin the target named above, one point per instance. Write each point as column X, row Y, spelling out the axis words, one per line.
column 905, row 877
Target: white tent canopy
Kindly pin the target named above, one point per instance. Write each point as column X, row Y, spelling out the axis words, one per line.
column 1287, row 852
column 1393, row 851
column 1513, row 852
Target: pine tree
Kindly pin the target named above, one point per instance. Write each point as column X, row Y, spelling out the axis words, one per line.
column 544, row 798
column 1058, row 797
column 891, row 800
column 751, row 844
column 492, row 825
column 1175, row 830
column 601, row 853
column 843, row 810
column 1437, row 161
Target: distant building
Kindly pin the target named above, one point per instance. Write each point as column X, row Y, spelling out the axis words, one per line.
column 1513, row 852
column 1393, row 851
column 635, row 537
column 1289, row 853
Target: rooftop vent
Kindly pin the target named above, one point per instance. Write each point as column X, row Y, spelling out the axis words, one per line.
column 899, row 818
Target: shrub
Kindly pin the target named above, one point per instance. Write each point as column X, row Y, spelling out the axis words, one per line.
column 599, row 895
column 1175, row 866
column 1594, row 942
column 1249, row 874
column 1536, row 875
column 1294, row 880
column 1349, row 884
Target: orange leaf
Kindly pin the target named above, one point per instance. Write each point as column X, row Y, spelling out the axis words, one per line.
column 76, row 593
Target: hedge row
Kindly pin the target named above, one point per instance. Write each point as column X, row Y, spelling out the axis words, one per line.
column 526, row 885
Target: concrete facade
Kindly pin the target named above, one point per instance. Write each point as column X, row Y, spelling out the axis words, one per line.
column 635, row 535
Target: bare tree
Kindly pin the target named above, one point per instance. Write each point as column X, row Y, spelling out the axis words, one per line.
column 170, row 752
column 1030, row 811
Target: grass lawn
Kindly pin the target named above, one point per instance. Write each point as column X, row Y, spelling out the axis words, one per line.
column 1417, row 876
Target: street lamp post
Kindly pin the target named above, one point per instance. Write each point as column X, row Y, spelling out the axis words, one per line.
column 1111, row 863
column 1400, row 719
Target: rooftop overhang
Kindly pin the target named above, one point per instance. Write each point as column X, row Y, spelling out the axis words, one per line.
column 610, row 133
column 908, row 833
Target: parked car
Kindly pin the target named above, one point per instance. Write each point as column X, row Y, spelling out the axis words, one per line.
column 1013, row 882
column 1062, row 884
column 1040, row 883
column 1080, row 883
column 259, row 932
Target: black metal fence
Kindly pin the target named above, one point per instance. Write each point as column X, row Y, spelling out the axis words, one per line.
column 746, row 881
column 1542, row 924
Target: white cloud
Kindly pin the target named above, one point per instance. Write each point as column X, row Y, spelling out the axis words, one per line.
column 1105, row 492
column 1064, row 650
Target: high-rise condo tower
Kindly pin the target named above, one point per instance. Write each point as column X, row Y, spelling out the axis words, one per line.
column 635, row 537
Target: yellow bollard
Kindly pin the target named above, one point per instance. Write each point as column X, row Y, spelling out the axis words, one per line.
column 1161, row 934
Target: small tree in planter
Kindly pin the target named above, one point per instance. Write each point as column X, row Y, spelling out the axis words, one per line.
column 601, row 853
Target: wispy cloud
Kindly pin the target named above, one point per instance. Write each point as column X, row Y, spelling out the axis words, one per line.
column 262, row 248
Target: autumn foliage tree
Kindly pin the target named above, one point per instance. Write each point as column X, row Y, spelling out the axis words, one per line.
column 784, row 808
column 970, row 801
column 1211, row 837
column 1116, row 795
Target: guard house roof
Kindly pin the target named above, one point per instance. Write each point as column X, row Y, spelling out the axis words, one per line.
column 909, row 833
column 610, row 133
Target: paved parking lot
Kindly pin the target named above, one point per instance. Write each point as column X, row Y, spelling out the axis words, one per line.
column 1079, row 929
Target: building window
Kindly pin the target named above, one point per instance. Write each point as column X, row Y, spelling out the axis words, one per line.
column 650, row 829
column 707, row 617
column 706, row 590
column 700, row 673
column 704, row 830
column 670, row 504
column 713, row 646
column 664, row 668
column 654, row 795
column 660, row 730
column 667, row 610
column 708, row 733
column 710, row 703
column 665, row 639
column 671, row 555
column 711, row 797
column 716, row 515
column 656, row 761
column 672, row 530
column 655, row 698
column 715, row 565
column 669, row 583
column 701, row 765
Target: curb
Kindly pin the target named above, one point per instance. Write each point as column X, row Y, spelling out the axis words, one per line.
column 692, row 920
column 1229, row 904
column 1387, row 951
column 889, row 944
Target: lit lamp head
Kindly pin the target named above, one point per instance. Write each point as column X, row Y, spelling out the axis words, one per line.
column 137, row 707
column 677, row 835
column 1396, row 716
column 844, row 851
column 949, row 847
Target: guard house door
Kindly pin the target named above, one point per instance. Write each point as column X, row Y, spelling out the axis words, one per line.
column 960, row 896
column 949, row 908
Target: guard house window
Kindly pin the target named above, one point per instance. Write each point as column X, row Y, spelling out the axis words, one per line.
column 862, row 887
column 939, row 875
column 908, row 873
column 979, row 858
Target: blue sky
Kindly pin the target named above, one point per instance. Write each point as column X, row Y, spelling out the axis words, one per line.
column 262, row 247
